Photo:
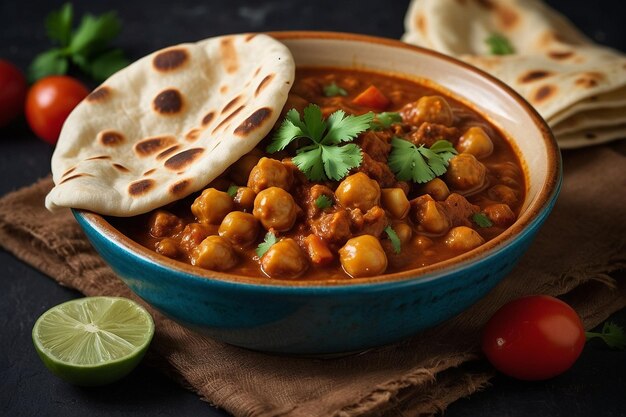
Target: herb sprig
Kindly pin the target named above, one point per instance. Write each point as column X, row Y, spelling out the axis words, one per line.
column 499, row 45
column 323, row 201
column 268, row 241
column 395, row 240
column 481, row 220
column 384, row 120
column 419, row 164
column 612, row 334
column 87, row 47
column 333, row 90
column 322, row 158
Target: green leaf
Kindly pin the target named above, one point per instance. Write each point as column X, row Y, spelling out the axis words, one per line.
column 612, row 334
column 419, row 164
column 342, row 128
column 309, row 161
column 333, row 90
column 482, row 220
column 59, row 25
column 395, row 240
column 268, row 241
column 384, row 120
column 339, row 160
column 323, row 202
column 232, row 190
column 286, row 133
column 107, row 64
column 94, row 33
column 314, row 122
column 51, row 62
column 499, row 45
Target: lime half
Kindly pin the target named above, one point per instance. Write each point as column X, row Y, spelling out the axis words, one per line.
column 93, row 340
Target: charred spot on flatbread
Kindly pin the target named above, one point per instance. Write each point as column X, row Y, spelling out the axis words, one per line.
column 150, row 146
column 99, row 95
column 231, row 104
column 193, row 134
column 110, row 138
column 179, row 188
column 230, row 60
column 254, row 121
column 507, row 17
column 589, row 79
column 167, row 152
column 228, row 118
column 99, row 157
column 487, row 4
column 534, row 75
column 264, row 82
column 149, row 172
column 121, row 168
column 544, row 93
column 170, row 59
column 183, row 159
column 208, row 118
column 560, row 55
column 249, row 37
column 73, row 177
column 168, row 102
column 141, row 187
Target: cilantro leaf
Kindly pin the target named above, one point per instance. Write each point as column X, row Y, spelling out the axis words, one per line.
column 482, row 220
column 499, row 45
column 612, row 334
column 419, row 164
column 94, row 32
column 322, row 158
column 395, row 240
column 268, row 241
column 384, row 120
column 332, row 90
column 323, row 201
column 59, row 25
column 232, row 190
column 51, row 62
column 107, row 64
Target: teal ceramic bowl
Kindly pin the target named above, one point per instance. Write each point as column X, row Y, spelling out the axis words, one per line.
column 323, row 318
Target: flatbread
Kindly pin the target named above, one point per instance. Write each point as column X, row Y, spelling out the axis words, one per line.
column 169, row 124
column 561, row 72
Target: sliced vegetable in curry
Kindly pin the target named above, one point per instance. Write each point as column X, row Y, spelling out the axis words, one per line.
column 389, row 177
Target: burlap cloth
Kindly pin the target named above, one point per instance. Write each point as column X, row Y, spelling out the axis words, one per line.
column 583, row 241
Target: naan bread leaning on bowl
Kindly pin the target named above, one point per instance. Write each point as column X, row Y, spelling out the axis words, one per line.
column 578, row 86
column 169, row 124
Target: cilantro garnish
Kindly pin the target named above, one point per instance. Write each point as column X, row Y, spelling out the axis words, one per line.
column 419, row 164
column 86, row 47
column 323, row 158
column 395, row 240
column 499, row 45
column 612, row 334
column 482, row 220
column 323, row 201
column 332, row 90
column 268, row 241
column 232, row 190
column 384, row 120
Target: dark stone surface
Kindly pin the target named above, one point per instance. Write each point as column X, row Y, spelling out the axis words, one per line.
column 596, row 385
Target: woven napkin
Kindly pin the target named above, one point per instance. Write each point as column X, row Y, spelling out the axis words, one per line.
column 582, row 243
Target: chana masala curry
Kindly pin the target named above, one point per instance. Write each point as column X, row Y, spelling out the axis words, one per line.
column 364, row 174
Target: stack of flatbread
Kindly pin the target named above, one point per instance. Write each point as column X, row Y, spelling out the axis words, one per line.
column 169, row 124
column 579, row 87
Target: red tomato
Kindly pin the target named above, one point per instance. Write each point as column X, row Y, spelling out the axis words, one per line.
column 533, row 338
column 49, row 102
column 373, row 98
column 12, row 92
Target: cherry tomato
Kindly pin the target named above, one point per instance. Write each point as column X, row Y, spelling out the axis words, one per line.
column 49, row 102
column 533, row 338
column 373, row 98
column 12, row 92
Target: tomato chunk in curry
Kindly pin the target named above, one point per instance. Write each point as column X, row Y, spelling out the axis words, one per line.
column 349, row 235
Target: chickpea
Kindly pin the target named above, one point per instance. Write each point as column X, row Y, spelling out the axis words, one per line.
column 403, row 231
column 167, row 247
column 432, row 109
column 465, row 173
column 269, row 173
column 211, row 206
column 395, row 202
column 363, row 256
column 476, row 142
column 422, row 242
column 437, row 189
column 285, row 259
column 432, row 218
column 503, row 194
column 239, row 228
column 214, row 253
column 358, row 191
column 244, row 199
column 240, row 171
column 163, row 223
column 501, row 215
column 275, row 208
column 463, row 238
column 194, row 234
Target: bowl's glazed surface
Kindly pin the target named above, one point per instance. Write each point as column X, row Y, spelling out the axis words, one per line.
column 315, row 317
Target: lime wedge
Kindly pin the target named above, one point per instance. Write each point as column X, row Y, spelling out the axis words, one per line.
column 94, row 340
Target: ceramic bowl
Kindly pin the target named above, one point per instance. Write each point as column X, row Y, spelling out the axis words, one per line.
column 322, row 318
